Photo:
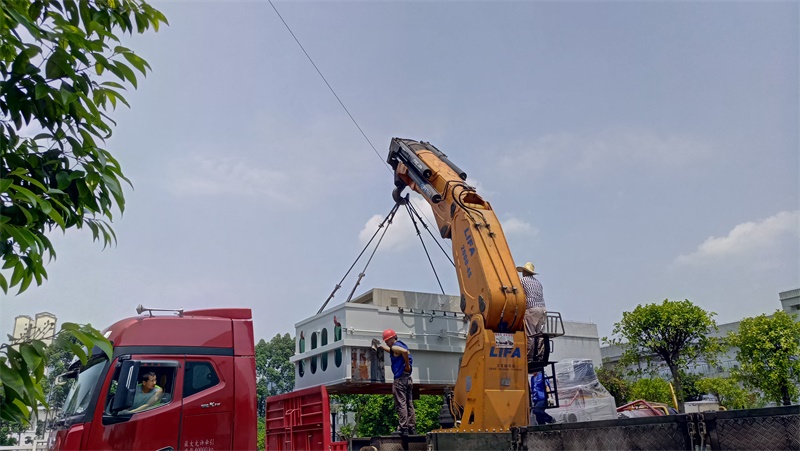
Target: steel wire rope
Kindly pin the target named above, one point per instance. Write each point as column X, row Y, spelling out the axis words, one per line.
column 435, row 240
column 339, row 285
column 427, row 254
column 363, row 272
column 328, row 84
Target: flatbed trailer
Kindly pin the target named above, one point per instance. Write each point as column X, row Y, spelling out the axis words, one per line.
column 776, row 428
column 301, row 421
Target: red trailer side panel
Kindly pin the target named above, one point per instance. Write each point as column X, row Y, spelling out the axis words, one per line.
column 299, row 421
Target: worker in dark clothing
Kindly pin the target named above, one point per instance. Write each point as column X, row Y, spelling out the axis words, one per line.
column 539, row 398
column 402, row 385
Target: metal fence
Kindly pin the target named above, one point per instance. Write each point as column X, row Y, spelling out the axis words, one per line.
column 776, row 428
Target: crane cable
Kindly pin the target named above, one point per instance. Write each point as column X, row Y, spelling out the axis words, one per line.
column 386, row 221
column 364, row 271
column 414, row 221
column 328, row 85
column 435, row 240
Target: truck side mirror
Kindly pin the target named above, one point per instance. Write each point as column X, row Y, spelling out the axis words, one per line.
column 126, row 386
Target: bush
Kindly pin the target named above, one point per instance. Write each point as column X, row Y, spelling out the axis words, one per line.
column 652, row 390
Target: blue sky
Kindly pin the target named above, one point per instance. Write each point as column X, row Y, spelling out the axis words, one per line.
column 634, row 151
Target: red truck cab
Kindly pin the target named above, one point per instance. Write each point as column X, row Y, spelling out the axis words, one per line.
column 204, row 362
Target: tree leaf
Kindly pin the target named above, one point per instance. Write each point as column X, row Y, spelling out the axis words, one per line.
column 57, row 218
column 54, row 68
column 42, row 91
column 18, row 274
column 31, row 355
column 12, row 380
column 137, row 62
column 26, row 193
column 127, row 72
column 70, row 326
column 34, row 182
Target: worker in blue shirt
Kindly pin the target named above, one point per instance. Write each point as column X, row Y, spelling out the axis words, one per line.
column 402, row 387
column 539, row 398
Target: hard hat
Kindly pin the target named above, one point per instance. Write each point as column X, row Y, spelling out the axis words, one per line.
column 527, row 267
column 389, row 333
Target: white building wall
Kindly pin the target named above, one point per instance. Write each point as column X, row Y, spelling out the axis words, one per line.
column 41, row 328
column 22, row 327
column 580, row 341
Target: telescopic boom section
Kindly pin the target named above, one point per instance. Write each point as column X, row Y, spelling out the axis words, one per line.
column 490, row 285
column 491, row 391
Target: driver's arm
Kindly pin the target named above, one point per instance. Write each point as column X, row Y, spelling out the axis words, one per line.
column 150, row 402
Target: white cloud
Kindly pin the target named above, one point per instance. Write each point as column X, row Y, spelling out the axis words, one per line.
column 583, row 155
column 310, row 162
column 516, row 226
column 749, row 240
column 401, row 233
column 218, row 176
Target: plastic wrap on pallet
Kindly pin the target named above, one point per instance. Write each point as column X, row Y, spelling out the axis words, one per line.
column 581, row 395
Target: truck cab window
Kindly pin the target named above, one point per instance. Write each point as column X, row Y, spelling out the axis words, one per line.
column 198, row 377
column 155, row 387
column 80, row 395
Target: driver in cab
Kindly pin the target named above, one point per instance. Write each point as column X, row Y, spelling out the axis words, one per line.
column 148, row 394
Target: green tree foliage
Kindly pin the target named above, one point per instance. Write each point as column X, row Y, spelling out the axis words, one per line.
column 274, row 371
column 378, row 417
column 375, row 414
column 261, row 438
column 22, row 368
column 63, row 70
column 427, row 408
column 652, row 389
column 355, row 404
column 728, row 392
column 691, row 392
column 58, row 361
column 769, row 356
column 614, row 381
column 673, row 333
column 9, row 431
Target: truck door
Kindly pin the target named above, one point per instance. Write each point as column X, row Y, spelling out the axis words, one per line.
column 153, row 428
column 208, row 403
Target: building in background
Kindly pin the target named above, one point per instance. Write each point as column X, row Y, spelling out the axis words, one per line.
column 41, row 327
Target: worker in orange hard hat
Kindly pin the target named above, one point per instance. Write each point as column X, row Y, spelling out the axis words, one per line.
column 402, row 386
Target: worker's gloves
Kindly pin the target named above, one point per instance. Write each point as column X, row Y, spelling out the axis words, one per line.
column 375, row 344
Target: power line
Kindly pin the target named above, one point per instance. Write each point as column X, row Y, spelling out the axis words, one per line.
column 351, row 118
column 328, row 84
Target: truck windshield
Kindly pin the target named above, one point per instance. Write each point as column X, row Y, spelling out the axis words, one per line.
column 80, row 395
